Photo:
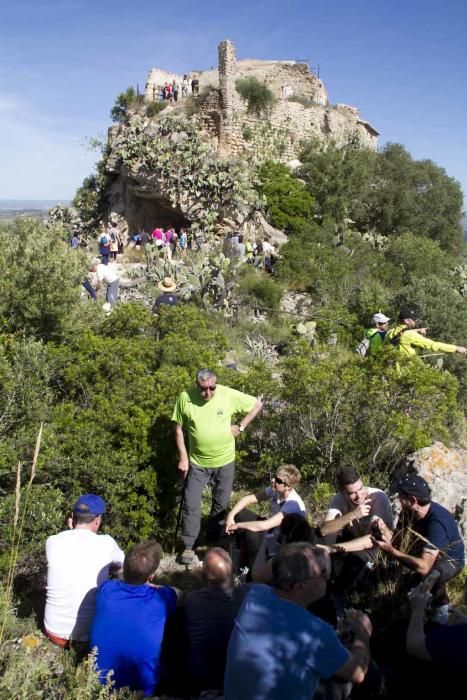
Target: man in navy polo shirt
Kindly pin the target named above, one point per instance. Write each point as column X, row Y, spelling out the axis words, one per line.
column 439, row 546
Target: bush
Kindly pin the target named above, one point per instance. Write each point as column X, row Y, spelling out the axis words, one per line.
column 154, row 108
column 129, row 99
column 289, row 206
column 261, row 290
column 257, row 95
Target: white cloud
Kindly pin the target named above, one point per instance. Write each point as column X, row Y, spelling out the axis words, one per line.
column 41, row 158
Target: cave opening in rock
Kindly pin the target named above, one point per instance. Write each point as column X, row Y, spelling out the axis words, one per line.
column 149, row 213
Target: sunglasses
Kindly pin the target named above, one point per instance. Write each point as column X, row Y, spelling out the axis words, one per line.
column 203, row 389
column 280, row 481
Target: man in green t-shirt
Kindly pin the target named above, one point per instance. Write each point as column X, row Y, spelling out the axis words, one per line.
column 205, row 411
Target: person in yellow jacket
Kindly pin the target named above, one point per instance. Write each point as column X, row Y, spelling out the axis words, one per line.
column 407, row 339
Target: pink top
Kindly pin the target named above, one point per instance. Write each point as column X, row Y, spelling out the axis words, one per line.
column 158, row 233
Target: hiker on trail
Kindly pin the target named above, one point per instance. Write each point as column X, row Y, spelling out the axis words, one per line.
column 208, row 616
column 185, row 86
column 195, row 86
column 115, row 242
column 107, row 274
column 78, row 560
column 206, row 411
column 183, row 242
column 407, row 338
column 128, row 625
column 438, row 542
column 104, row 246
column 280, row 650
column 167, row 287
column 347, row 528
column 251, row 528
column 374, row 336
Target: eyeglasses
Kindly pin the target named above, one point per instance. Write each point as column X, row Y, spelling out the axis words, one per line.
column 203, row 389
column 280, row 481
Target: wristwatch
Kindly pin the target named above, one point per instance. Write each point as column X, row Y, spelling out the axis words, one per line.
column 241, row 427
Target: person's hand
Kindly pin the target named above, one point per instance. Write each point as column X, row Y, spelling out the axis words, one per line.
column 461, row 350
column 358, row 622
column 183, row 467
column 422, row 331
column 229, row 524
column 362, row 510
column 418, row 598
column 234, row 429
column 231, row 528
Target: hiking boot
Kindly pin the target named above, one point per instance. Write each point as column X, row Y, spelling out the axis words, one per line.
column 187, row 557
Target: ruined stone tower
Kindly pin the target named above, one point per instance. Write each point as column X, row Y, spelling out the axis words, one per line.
column 227, row 65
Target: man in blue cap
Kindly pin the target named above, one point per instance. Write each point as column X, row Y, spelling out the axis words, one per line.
column 78, row 561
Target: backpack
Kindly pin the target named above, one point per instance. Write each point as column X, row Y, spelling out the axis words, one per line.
column 104, row 239
column 396, row 339
column 363, row 347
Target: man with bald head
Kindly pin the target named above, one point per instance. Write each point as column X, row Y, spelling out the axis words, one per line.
column 208, row 616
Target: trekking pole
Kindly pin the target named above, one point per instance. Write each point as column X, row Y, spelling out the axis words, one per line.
column 179, row 517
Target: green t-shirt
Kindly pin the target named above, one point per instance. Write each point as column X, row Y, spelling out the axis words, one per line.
column 210, row 439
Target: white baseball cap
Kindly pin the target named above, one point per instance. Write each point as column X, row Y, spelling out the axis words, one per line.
column 380, row 318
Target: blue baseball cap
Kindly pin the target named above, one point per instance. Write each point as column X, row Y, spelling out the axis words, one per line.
column 414, row 485
column 89, row 504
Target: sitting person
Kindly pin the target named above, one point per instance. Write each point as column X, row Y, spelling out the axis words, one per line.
column 129, row 621
column 438, row 543
column 284, row 499
column 277, row 648
column 78, row 561
column 445, row 644
column 208, row 616
column 348, row 523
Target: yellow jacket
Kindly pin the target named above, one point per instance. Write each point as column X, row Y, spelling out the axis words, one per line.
column 408, row 340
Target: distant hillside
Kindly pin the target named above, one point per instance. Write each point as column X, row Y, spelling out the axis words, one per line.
column 38, row 208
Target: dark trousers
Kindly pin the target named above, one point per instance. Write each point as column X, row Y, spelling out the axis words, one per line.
column 246, row 540
column 447, row 569
column 220, row 480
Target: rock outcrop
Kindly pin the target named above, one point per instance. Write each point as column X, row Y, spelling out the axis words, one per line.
column 445, row 469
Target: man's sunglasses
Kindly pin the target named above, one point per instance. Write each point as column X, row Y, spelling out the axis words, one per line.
column 207, row 388
column 280, row 481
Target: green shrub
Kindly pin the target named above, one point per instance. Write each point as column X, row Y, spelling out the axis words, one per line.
column 261, row 290
column 289, row 206
column 129, row 99
column 154, row 108
column 257, row 95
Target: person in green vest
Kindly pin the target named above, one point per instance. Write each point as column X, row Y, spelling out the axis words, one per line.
column 374, row 336
column 249, row 251
column 408, row 339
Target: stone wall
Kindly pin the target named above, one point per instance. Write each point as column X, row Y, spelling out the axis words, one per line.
column 302, row 108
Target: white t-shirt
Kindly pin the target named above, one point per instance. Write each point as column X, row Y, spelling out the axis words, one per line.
column 106, row 274
column 77, row 563
column 292, row 504
column 380, row 505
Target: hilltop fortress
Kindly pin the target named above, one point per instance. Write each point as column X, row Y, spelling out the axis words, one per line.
column 302, row 109
column 193, row 162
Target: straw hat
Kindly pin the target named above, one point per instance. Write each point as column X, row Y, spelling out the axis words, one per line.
column 167, row 284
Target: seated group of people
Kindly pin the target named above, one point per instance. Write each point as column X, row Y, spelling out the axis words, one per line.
column 269, row 638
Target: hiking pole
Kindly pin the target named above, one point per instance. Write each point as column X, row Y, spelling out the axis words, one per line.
column 179, row 517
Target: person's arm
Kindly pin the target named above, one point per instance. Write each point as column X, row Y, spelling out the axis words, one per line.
column 421, row 565
column 333, row 525
column 260, row 525
column 356, row 666
column 183, row 462
column 418, row 340
column 415, row 637
column 262, row 569
column 250, row 416
column 242, row 503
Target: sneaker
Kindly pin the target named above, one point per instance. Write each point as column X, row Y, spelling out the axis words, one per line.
column 187, row 557
column 441, row 615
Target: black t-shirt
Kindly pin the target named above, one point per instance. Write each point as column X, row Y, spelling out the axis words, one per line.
column 166, row 298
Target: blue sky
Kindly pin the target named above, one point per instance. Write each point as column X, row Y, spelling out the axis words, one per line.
column 403, row 63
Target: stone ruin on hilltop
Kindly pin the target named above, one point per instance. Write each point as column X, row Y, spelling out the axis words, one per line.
column 302, row 109
column 196, row 167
